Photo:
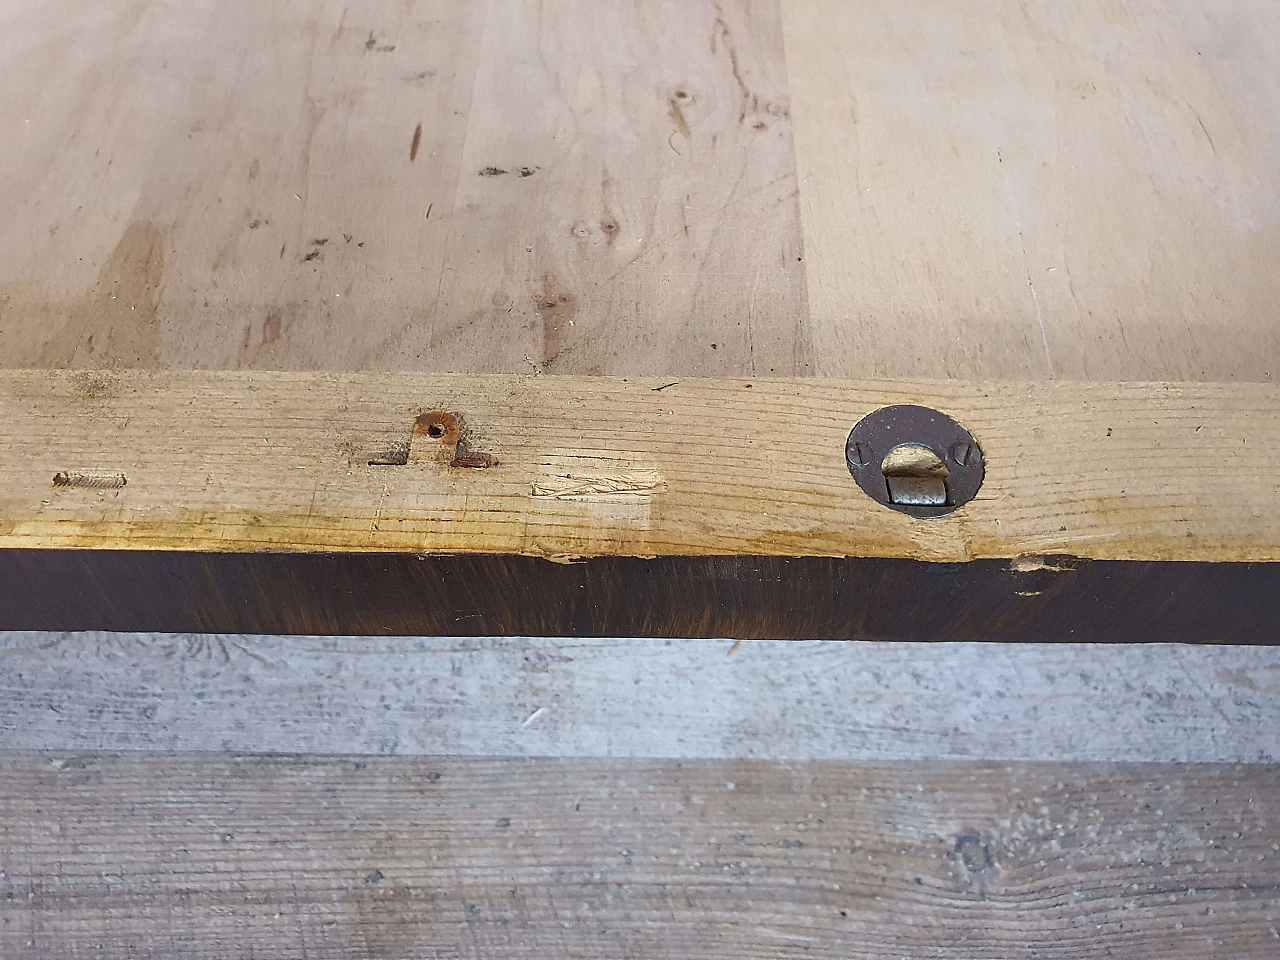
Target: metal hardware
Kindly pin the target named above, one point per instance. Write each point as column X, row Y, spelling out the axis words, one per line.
column 915, row 460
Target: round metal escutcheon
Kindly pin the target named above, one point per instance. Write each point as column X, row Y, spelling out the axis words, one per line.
column 915, row 460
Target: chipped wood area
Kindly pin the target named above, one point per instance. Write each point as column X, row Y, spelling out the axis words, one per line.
column 491, row 858
column 545, row 466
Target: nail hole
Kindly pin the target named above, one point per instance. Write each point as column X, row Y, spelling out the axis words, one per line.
column 435, row 431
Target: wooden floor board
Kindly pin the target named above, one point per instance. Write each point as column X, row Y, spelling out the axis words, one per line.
column 637, row 698
column 144, row 857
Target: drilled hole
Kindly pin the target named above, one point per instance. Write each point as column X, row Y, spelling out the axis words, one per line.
column 435, row 431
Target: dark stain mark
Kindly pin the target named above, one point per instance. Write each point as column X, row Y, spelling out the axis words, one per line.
column 374, row 877
column 94, row 385
column 715, row 346
column 253, row 170
column 502, row 822
column 320, row 242
column 665, row 386
column 608, row 222
column 556, row 307
column 372, row 44
column 477, row 460
column 527, row 171
column 396, row 456
column 255, row 224
column 750, row 102
column 346, row 237
column 415, row 143
column 115, row 325
column 271, row 326
column 677, row 115
column 419, row 76
column 492, row 172
column 282, row 246
column 973, row 853
column 313, row 255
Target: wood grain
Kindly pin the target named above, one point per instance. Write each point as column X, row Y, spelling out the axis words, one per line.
column 575, row 186
column 155, row 857
column 638, row 698
column 306, row 462
column 1031, row 189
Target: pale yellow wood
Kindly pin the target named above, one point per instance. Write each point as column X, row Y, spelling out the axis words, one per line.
column 155, row 857
column 1036, row 189
column 577, row 186
column 585, row 467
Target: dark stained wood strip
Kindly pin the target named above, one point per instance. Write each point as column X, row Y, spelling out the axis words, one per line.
column 152, row 856
column 1030, row 599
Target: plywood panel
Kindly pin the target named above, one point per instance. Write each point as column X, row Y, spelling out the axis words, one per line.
column 572, row 186
column 156, row 857
column 1038, row 189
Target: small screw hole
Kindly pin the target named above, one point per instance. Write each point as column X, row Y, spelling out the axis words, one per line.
column 435, row 431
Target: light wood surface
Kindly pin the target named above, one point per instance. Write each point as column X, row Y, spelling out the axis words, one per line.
column 639, row 698
column 987, row 189
column 573, row 186
column 1032, row 189
column 566, row 467
column 155, row 857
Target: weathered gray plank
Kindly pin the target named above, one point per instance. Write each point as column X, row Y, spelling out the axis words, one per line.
column 162, row 857
column 639, row 698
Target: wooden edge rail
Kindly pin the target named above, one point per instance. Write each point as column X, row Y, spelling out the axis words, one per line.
column 406, row 503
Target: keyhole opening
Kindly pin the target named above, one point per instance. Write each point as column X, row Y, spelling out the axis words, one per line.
column 915, row 476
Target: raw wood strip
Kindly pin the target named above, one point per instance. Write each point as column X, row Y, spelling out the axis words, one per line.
column 154, row 856
column 251, row 461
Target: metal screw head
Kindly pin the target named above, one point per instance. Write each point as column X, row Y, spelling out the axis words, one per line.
column 858, row 453
column 962, row 453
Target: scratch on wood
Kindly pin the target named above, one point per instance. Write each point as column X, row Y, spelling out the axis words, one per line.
column 641, row 483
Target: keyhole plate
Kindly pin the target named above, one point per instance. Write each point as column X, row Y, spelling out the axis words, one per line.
column 882, row 431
